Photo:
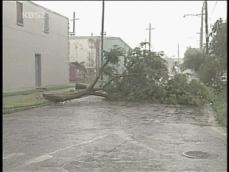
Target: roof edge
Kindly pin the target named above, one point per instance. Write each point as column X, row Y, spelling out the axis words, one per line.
column 108, row 37
column 47, row 9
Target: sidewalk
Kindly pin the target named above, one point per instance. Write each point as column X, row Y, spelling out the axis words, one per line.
column 23, row 100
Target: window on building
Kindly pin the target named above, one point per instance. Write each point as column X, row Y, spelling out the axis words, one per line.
column 19, row 13
column 46, row 23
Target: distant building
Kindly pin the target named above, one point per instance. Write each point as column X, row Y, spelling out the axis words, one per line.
column 86, row 49
column 173, row 62
column 77, row 72
column 35, row 46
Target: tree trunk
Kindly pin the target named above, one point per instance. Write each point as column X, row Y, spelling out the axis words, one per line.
column 64, row 97
column 87, row 92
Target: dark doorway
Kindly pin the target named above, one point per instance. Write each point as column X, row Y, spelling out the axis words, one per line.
column 38, row 70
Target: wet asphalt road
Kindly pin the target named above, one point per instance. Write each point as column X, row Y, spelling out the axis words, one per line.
column 93, row 135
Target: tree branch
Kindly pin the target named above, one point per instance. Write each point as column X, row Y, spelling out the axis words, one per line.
column 119, row 76
column 99, row 94
column 91, row 86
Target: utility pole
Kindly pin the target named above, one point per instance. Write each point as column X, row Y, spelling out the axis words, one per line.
column 178, row 53
column 102, row 33
column 150, row 28
column 145, row 44
column 206, row 25
column 74, row 19
column 201, row 27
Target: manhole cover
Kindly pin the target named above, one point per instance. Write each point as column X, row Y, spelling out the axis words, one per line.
column 196, row 154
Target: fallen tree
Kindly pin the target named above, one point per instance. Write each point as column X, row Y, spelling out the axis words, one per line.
column 110, row 57
column 64, row 97
column 145, row 78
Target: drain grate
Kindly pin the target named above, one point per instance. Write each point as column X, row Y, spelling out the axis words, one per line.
column 196, row 154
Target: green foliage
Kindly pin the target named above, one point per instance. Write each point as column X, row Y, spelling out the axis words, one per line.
column 210, row 72
column 146, row 79
column 176, row 89
column 214, row 66
column 218, row 44
column 113, row 55
column 219, row 100
column 193, row 58
column 109, row 70
column 179, row 91
column 112, row 58
column 199, row 92
column 210, row 68
column 144, row 70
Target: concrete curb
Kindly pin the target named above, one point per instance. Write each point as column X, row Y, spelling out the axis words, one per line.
column 21, row 108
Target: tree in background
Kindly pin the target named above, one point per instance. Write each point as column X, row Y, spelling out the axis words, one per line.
column 218, row 44
column 193, row 58
column 146, row 79
column 215, row 65
column 210, row 68
column 145, row 72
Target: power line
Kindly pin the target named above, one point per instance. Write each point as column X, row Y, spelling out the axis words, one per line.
column 201, row 26
column 191, row 15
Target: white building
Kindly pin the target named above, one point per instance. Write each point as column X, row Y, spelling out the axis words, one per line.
column 35, row 46
column 86, row 49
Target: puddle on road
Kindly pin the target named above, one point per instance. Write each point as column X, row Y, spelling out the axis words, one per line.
column 199, row 155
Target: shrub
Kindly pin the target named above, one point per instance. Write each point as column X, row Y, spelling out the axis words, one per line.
column 146, row 79
column 179, row 91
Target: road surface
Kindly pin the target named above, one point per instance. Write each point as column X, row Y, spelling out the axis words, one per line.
column 90, row 134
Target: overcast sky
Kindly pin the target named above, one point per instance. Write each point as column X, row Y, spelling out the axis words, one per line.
column 129, row 20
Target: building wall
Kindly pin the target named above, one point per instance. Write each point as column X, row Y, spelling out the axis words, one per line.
column 109, row 43
column 20, row 43
column 76, row 73
column 83, row 50
column 80, row 50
